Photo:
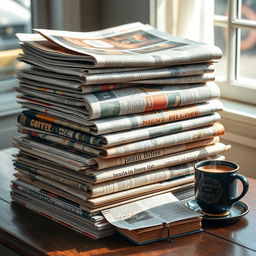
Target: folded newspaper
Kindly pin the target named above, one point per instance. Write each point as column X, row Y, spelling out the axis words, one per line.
column 182, row 74
column 127, row 122
column 118, row 102
column 129, row 45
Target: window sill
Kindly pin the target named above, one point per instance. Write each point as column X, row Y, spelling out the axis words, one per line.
column 239, row 120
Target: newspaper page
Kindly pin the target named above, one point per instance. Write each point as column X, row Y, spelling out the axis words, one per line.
column 141, row 179
column 160, row 162
column 61, row 141
column 100, row 163
column 131, row 100
column 133, row 194
column 153, row 211
column 147, row 98
column 41, row 200
column 67, row 100
column 59, row 215
column 63, row 87
column 182, row 171
column 204, row 78
column 216, row 129
column 51, row 148
column 134, row 147
column 114, row 76
column 75, row 192
column 118, row 137
column 33, row 164
column 107, row 201
column 94, row 205
column 28, row 189
column 182, row 73
column 58, row 177
column 63, row 157
column 133, row 44
column 126, row 122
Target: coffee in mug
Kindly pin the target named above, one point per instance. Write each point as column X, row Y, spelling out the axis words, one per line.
column 216, row 186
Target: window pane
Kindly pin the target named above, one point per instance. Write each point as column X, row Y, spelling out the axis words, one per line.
column 247, row 55
column 220, row 7
column 14, row 18
column 220, row 41
column 248, row 10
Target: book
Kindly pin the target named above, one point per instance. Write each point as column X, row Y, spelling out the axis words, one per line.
column 153, row 219
column 161, row 232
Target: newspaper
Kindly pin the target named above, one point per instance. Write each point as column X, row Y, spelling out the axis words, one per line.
column 153, row 211
column 147, row 98
column 60, row 90
column 133, row 44
column 62, row 87
column 95, row 209
column 137, row 180
column 102, row 163
column 92, row 204
column 74, row 160
column 116, row 138
column 118, row 172
column 164, row 141
column 67, row 100
column 126, row 122
column 37, row 165
column 116, row 76
column 133, row 147
column 194, row 73
column 127, row 179
column 60, row 216
column 46, row 161
column 178, row 80
column 75, row 192
column 49, row 201
column 58, row 177
column 131, row 100
column 106, row 187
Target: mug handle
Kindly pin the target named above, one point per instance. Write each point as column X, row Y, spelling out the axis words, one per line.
column 245, row 187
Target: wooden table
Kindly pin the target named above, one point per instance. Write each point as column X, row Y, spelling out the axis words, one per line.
column 29, row 233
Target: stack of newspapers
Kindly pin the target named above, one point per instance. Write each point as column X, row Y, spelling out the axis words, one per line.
column 110, row 117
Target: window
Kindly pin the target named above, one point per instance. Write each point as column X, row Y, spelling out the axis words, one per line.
column 14, row 18
column 235, row 34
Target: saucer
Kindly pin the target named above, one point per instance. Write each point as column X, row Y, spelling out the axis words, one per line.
column 238, row 210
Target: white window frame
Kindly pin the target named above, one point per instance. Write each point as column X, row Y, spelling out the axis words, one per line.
column 231, row 88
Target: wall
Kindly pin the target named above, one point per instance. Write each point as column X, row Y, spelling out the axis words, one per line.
column 239, row 121
column 242, row 155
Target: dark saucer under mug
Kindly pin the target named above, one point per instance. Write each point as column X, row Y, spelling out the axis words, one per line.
column 238, row 210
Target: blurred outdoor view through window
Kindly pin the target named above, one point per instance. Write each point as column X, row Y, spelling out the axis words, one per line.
column 15, row 17
column 246, row 56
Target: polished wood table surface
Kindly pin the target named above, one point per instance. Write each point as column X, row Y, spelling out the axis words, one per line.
column 28, row 233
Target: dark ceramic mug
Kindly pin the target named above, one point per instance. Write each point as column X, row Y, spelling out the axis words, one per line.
column 216, row 186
